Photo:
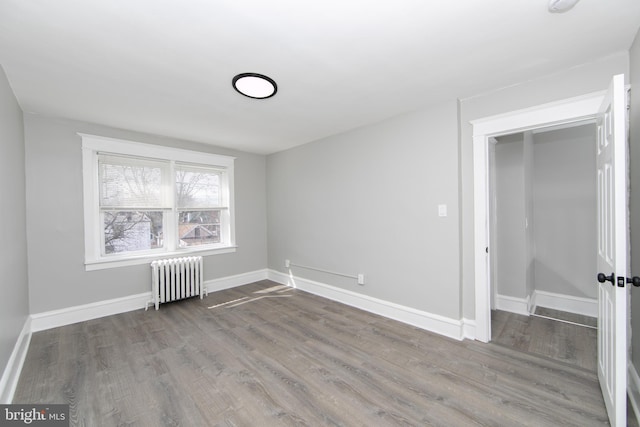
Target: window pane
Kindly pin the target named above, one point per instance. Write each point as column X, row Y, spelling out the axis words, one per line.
column 130, row 182
column 199, row 228
column 197, row 187
column 129, row 231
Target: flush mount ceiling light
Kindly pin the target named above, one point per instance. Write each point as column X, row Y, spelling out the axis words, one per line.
column 560, row 6
column 256, row 86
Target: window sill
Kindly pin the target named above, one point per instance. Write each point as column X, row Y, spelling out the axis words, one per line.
column 104, row 263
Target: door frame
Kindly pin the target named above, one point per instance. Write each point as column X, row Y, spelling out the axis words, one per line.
column 551, row 114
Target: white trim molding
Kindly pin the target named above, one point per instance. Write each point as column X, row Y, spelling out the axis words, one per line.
column 228, row 282
column 452, row 328
column 81, row 313
column 568, row 303
column 468, row 329
column 513, row 304
column 11, row 374
column 147, row 259
column 562, row 112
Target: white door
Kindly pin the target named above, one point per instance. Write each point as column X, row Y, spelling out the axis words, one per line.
column 612, row 252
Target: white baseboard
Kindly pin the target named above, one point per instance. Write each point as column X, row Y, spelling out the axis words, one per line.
column 431, row 322
column 469, row 329
column 570, row 304
column 11, row 374
column 633, row 389
column 513, row 304
column 81, row 313
column 237, row 280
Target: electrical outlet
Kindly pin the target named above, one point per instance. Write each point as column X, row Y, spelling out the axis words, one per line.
column 360, row 279
column 287, row 263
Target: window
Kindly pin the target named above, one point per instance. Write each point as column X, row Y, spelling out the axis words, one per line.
column 144, row 201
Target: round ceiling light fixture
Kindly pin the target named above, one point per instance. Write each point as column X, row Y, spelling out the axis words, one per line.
column 254, row 85
column 560, row 6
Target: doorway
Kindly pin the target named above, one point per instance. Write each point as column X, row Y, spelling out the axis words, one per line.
column 568, row 112
column 543, row 220
column 608, row 109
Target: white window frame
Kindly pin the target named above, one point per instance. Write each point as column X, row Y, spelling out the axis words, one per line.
column 92, row 145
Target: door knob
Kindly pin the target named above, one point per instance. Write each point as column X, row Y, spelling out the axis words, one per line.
column 602, row 278
column 635, row 280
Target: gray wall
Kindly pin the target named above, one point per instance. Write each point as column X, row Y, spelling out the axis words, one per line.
column 323, row 216
column 14, row 303
column 510, row 211
column 366, row 202
column 57, row 277
column 564, row 206
column 528, row 220
column 554, row 187
column 635, row 197
column 576, row 81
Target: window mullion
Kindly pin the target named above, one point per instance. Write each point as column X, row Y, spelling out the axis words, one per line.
column 171, row 218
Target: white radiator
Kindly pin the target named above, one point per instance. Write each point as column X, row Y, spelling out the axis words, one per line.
column 176, row 278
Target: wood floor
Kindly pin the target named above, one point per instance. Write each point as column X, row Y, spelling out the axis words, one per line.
column 264, row 355
column 562, row 341
column 579, row 319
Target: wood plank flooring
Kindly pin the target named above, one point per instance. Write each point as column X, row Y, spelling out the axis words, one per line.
column 574, row 343
column 579, row 319
column 562, row 341
column 265, row 355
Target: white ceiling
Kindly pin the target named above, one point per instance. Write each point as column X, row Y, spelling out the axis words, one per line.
column 165, row 66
